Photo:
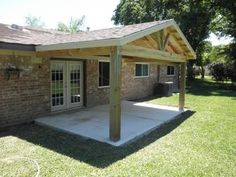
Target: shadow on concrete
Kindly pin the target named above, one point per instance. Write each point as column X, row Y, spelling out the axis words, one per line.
column 91, row 152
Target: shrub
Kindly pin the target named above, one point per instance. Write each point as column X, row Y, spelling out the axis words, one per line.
column 223, row 71
column 218, row 71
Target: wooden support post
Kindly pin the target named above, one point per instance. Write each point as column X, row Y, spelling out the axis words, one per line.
column 182, row 86
column 115, row 99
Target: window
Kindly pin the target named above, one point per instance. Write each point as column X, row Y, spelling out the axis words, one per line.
column 104, row 73
column 170, row 70
column 141, row 70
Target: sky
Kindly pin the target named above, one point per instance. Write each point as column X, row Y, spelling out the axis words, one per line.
column 97, row 13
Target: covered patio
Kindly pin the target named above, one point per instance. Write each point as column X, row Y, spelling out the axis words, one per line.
column 137, row 119
column 159, row 42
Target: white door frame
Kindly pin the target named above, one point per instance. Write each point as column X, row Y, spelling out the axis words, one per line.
column 66, row 85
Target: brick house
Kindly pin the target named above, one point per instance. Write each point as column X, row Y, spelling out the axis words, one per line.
column 42, row 71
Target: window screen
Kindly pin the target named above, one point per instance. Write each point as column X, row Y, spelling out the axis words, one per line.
column 141, row 70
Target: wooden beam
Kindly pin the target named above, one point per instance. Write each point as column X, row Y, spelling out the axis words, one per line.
column 141, row 52
column 76, row 52
column 182, row 86
column 160, row 39
column 85, row 57
column 115, row 98
column 30, row 54
column 143, row 60
column 142, row 42
column 166, row 41
column 17, row 52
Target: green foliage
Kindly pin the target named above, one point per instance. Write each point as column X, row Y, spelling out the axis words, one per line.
column 193, row 17
column 129, row 12
column 225, row 20
column 224, row 24
column 203, row 53
column 223, row 71
column 218, row 54
column 34, row 21
column 74, row 25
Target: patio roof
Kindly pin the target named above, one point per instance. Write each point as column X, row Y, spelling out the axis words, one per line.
column 117, row 36
column 51, row 40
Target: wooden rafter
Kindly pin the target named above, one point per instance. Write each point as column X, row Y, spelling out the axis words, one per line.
column 166, row 41
column 175, row 44
column 152, row 41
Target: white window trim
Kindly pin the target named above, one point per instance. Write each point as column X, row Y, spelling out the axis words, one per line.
column 141, row 76
column 107, row 86
column 167, row 70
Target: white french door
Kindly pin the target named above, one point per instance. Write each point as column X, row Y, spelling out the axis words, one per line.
column 66, row 84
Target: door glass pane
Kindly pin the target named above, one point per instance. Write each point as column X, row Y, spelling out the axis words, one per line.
column 75, row 83
column 57, row 85
column 145, row 70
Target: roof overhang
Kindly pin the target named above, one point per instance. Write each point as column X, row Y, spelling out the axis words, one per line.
column 117, row 41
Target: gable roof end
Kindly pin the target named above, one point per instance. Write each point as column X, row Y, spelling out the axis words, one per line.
column 117, row 36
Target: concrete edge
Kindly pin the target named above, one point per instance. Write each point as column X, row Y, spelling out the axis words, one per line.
column 114, row 144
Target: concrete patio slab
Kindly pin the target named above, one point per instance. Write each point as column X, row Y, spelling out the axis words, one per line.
column 137, row 119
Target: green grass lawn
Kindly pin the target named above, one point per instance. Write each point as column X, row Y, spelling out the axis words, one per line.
column 202, row 143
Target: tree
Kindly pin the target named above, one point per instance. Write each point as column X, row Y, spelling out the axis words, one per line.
column 224, row 24
column 203, row 53
column 128, row 12
column 34, row 21
column 193, row 17
column 75, row 25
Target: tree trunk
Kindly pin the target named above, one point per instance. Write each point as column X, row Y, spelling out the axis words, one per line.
column 190, row 74
column 202, row 72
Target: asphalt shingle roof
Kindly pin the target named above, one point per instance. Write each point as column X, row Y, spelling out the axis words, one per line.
column 28, row 35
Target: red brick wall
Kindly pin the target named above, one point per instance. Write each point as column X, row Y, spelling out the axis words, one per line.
column 132, row 88
column 26, row 97
column 94, row 95
column 137, row 87
column 165, row 78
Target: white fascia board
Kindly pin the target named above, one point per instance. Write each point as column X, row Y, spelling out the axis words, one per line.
column 145, row 32
column 76, row 45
